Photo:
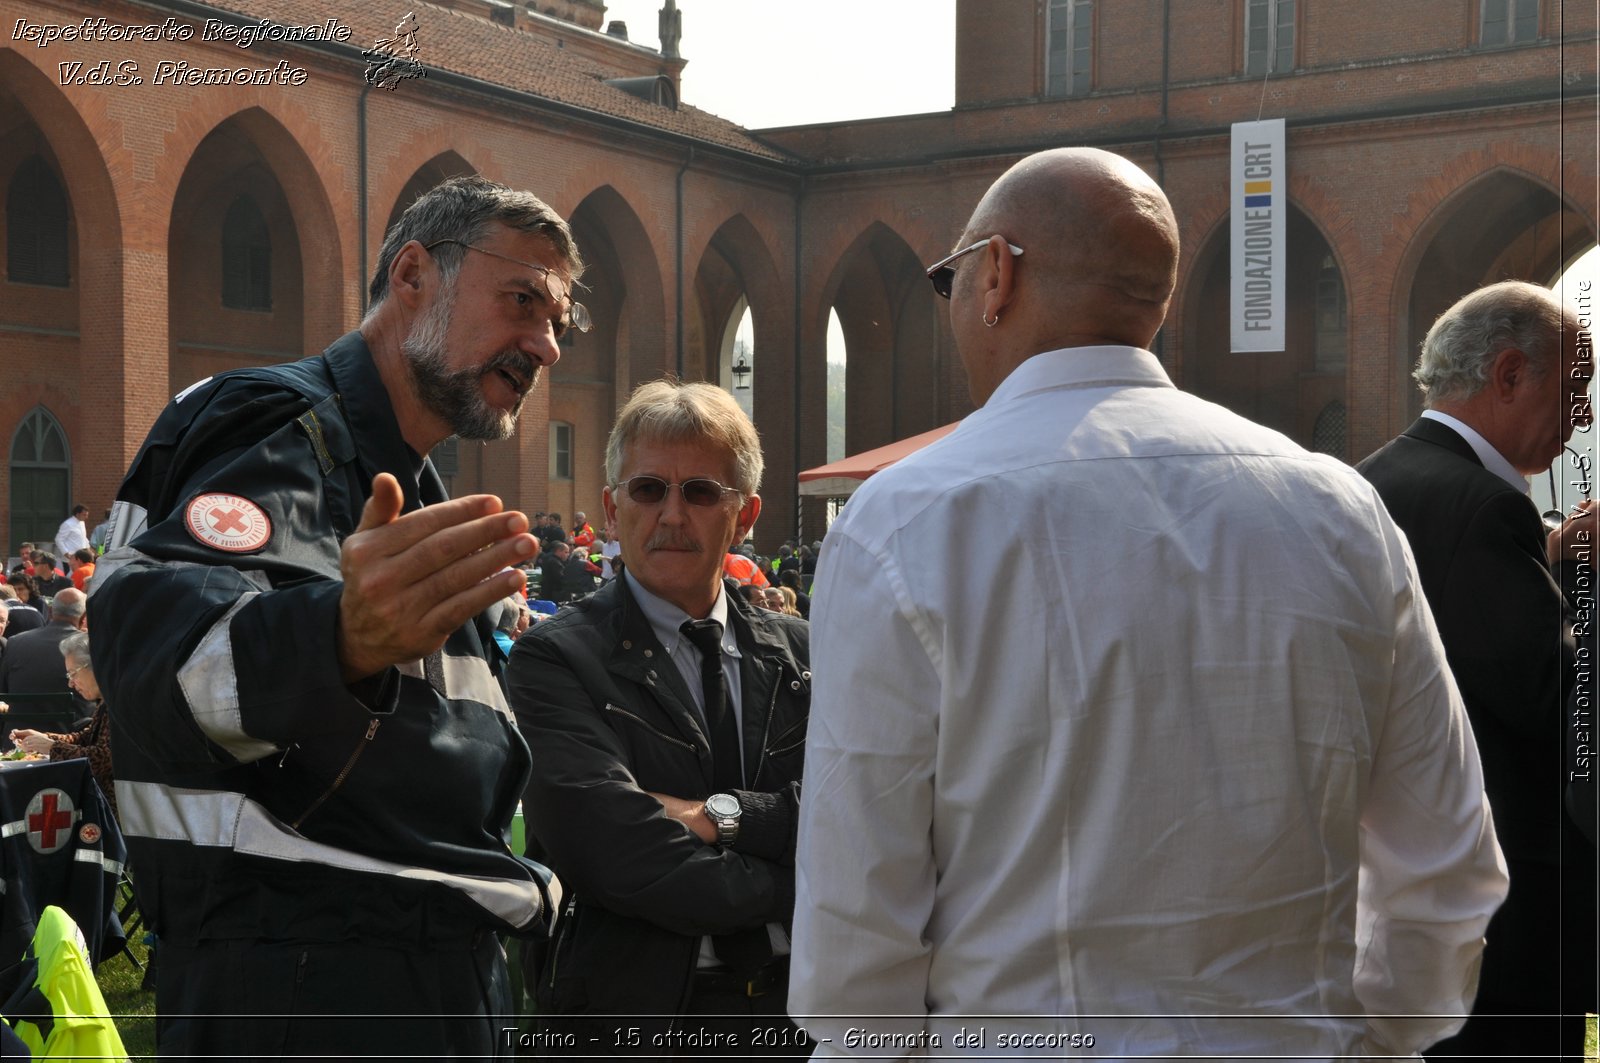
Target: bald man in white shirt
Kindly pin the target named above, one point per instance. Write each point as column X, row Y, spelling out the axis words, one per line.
column 1194, row 780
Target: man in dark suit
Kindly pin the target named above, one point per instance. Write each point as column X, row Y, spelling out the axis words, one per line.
column 32, row 663
column 668, row 721
column 1505, row 374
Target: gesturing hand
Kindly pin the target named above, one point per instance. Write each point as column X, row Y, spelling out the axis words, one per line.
column 411, row 580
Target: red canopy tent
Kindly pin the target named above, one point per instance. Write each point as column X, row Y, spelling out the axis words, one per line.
column 838, row 479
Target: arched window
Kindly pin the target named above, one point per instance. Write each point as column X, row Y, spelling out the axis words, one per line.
column 36, row 226
column 41, row 470
column 1328, row 434
column 246, row 257
column 1332, row 319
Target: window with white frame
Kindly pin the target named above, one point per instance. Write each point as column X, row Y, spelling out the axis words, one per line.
column 1268, row 36
column 1069, row 48
column 560, row 450
column 1508, row 22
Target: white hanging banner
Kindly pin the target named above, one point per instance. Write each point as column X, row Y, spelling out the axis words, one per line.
column 1259, row 202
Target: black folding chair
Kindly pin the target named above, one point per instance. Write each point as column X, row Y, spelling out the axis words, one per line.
column 54, row 712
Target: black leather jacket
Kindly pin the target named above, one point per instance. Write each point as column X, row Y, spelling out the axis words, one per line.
column 607, row 719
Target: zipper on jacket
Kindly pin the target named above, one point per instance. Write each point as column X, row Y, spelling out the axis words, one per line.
column 568, row 914
column 651, row 728
column 372, row 729
column 766, row 732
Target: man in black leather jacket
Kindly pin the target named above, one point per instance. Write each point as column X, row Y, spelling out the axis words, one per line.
column 671, row 825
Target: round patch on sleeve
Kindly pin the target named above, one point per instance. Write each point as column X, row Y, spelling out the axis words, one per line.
column 228, row 522
column 89, row 833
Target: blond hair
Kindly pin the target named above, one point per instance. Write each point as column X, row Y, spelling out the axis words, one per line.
column 671, row 411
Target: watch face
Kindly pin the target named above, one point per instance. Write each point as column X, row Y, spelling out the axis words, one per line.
column 722, row 805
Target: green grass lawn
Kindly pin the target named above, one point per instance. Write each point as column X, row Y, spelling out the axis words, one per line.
column 135, row 1008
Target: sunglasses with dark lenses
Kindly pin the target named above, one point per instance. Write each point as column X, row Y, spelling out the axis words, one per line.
column 699, row 491
column 942, row 274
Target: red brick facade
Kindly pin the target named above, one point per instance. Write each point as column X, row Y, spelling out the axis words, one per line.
column 1422, row 164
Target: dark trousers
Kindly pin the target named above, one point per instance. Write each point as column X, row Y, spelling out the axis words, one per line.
column 725, row 1019
column 741, row 1020
column 310, row 1000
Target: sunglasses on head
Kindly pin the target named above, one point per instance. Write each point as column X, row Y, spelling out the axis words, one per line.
column 697, row 491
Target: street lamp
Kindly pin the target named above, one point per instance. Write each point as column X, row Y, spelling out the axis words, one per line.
column 741, row 374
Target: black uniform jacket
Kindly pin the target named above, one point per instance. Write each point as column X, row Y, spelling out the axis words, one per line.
column 261, row 796
column 607, row 719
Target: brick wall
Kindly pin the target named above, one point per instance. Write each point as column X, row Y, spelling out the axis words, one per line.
column 1407, row 143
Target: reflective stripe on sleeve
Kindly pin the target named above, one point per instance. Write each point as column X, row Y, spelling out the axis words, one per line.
column 95, row 856
column 465, row 679
column 230, row 820
column 211, row 687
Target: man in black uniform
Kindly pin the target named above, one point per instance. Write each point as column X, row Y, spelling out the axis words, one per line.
column 668, row 721
column 316, row 767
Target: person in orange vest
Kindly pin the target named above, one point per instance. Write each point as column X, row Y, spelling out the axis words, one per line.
column 582, row 533
column 743, row 570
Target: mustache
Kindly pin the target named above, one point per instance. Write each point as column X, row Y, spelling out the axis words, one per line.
column 672, row 540
column 517, row 363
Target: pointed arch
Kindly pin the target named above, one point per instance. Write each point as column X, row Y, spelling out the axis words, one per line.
column 1287, row 390
column 441, row 167
column 629, row 344
column 889, row 317
column 45, row 360
column 40, row 466
column 737, row 270
column 1501, row 223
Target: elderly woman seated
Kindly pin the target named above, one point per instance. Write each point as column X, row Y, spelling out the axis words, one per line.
column 92, row 741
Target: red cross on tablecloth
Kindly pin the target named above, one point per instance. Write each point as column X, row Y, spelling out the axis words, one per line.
column 227, row 520
column 48, row 820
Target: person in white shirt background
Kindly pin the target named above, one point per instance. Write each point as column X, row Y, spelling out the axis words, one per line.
column 73, row 535
column 1196, row 779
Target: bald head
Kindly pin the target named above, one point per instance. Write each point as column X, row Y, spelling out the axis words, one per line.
column 69, row 604
column 1100, row 260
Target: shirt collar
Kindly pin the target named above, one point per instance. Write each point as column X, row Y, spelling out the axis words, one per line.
column 1082, row 367
column 667, row 620
column 1490, row 457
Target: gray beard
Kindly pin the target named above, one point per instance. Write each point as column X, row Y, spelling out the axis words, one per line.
column 456, row 397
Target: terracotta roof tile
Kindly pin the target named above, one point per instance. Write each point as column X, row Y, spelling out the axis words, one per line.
column 522, row 60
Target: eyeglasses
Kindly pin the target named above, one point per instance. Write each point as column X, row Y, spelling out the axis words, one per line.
column 577, row 314
column 72, row 673
column 699, row 491
column 1583, row 469
column 942, row 274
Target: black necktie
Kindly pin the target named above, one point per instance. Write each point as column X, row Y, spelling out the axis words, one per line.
column 726, row 772
column 744, row 951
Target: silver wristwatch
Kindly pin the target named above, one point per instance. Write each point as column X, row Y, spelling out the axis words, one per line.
column 724, row 811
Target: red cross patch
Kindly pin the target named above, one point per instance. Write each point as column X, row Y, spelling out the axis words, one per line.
column 228, row 522
column 50, row 817
column 89, row 833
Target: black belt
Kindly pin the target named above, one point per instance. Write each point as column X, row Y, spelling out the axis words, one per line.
column 769, row 979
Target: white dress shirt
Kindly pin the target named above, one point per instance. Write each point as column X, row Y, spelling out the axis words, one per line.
column 1130, row 723
column 1488, row 456
column 71, row 537
column 667, row 621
